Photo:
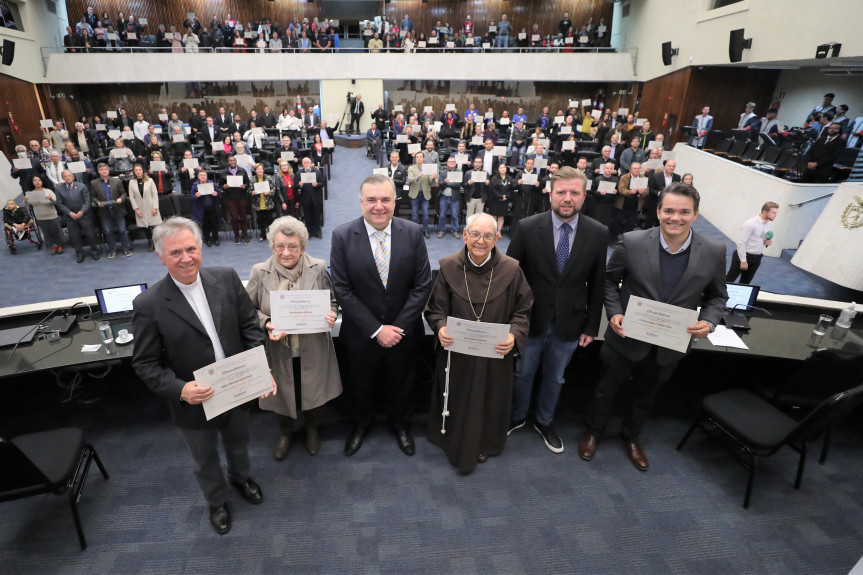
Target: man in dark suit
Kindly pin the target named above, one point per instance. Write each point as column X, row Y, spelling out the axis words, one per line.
column 310, row 120
column 380, row 117
column 670, row 264
column 357, row 111
column 562, row 255
column 267, row 119
column 108, row 196
column 223, row 121
column 73, row 203
column 311, row 197
column 656, row 182
column 823, row 154
column 191, row 318
column 381, row 278
column 237, row 125
column 123, row 121
column 209, row 133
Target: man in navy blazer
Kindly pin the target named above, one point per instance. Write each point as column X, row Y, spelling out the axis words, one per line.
column 189, row 319
column 565, row 267
column 381, row 278
column 670, row 264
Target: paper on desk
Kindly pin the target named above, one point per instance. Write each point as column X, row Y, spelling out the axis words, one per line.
column 724, row 337
column 91, row 348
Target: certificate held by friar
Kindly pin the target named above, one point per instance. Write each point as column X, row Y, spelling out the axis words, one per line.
column 659, row 323
column 475, row 337
column 300, row 311
column 235, row 380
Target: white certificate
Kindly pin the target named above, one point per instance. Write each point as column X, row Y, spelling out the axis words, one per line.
column 567, row 40
column 499, row 150
column 638, row 184
column 595, row 114
column 430, row 170
column 163, row 117
column 653, row 164
column 540, row 163
column 287, row 156
column 421, row 44
column 234, row 181
column 667, row 155
column 433, row 40
column 22, row 163
column 566, row 130
column 427, row 109
column 450, row 44
column 402, row 139
column 128, row 135
column 112, row 36
column 413, row 149
column 381, row 172
column 607, row 187
column 658, row 323
column 528, row 179
column 489, row 116
column 101, row 127
column 300, row 311
column 118, row 153
column 132, row 36
column 568, row 145
column 178, row 138
column 653, row 144
column 261, row 187
column 559, row 119
column 111, row 114
column 504, row 122
column 46, row 123
column 217, row 146
column 582, row 40
column 534, row 37
column 492, row 28
column 205, row 189
column 476, row 338
column 77, row 167
column 449, row 107
column 399, row 108
column 142, row 21
column 157, row 129
column 235, row 380
column 114, row 134
column 522, row 35
column 545, row 142
column 158, row 166
column 573, row 104
column 623, row 112
column 454, row 177
column 244, row 159
column 308, row 177
column 587, row 102
column 461, row 159
column 478, row 177
column 190, row 163
column 476, row 141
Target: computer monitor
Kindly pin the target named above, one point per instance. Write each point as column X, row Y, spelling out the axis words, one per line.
column 741, row 295
column 117, row 301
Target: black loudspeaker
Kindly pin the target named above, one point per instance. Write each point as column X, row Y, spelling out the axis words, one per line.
column 668, row 53
column 736, row 44
column 8, row 52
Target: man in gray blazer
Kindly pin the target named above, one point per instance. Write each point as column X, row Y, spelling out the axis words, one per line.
column 189, row 319
column 73, row 203
column 670, row 264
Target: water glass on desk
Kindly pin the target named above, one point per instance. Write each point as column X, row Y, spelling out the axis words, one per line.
column 107, row 335
column 821, row 327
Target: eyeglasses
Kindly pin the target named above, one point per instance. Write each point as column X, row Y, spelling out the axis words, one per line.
column 476, row 235
column 293, row 248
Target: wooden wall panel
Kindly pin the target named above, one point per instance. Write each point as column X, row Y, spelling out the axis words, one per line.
column 522, row 13
column 666, row 95
column 18, row 99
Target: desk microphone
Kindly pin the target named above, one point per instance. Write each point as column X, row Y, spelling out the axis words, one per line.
column 751, row 307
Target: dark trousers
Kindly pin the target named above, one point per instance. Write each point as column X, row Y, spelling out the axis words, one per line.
column 387, row 372
column 648, row 375
column 355, row 119
column 265, row 218
column 203, row 443
column 312, row 217
column 114, row 223
column 237, row 211
column 754, row 260
column 623, row 220
column 76, row 227
column 51, row 233
column 210, row 226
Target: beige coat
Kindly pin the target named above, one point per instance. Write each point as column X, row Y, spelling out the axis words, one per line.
column 146, row 202
column 320, row 379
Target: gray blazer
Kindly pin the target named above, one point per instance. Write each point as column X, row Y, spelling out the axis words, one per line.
column 636, row 263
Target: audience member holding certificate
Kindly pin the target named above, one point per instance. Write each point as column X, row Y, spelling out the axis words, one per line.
column 188, row 320
column 206, row 207
column 312, row 354
column 477, row 284
column 671, row 264
column 262, row 200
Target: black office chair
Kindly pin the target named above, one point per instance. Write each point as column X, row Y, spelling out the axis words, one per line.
column 47, row 462
column 751, row 427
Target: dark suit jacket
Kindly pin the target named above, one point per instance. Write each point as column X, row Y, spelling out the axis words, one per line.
column 117, row 191
column 354, row 108
column 573, row 300
column 366, row 304
column 237, row 127
column 171, row 343
column 636, row 262
column 310, row 195
column 400, row 176
column 617, row 151
column 825, row 154
column 25, row 177
column 655, row 184
column 310, row 120
column 225, row 122
column 205, row 139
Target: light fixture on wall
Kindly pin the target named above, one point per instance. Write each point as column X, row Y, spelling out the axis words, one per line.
column 831, row 48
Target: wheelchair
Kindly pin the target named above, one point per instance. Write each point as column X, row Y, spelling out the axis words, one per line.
column 30, row 233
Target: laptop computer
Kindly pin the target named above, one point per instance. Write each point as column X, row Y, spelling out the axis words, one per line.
column 743, row 296
column 116, row 302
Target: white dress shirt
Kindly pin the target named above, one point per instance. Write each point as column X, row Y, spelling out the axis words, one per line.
column 197, row 298
column 373, row 243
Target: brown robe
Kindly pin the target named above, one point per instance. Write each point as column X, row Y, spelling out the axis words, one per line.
column 480, row 389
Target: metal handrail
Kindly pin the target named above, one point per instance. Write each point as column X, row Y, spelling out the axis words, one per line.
column 797, row 205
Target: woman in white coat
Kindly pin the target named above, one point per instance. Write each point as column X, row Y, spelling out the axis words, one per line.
column 145, row 201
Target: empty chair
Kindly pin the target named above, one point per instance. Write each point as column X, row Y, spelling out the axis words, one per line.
column 721, row 148
column 54, row 461
column 752, row 152
column 769, row 155
column 781, row 160
column 736, row 150
column 844, row 163
column 750, row 427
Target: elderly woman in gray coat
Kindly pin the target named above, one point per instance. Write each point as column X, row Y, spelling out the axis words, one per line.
column 313, row 354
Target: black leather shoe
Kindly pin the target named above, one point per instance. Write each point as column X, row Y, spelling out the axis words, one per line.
column 482, row 458
column 404, row 439
column 355, row 441
column 250, row 490
column 220, row 519
column 79, row 259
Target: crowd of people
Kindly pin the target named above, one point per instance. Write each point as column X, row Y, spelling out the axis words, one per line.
column 106, row 33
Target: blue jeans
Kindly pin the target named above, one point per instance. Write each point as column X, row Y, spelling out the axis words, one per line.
column 448, row 204
column 501, row 42
column 114, row 222
column 420, row 203
column 554, row 355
